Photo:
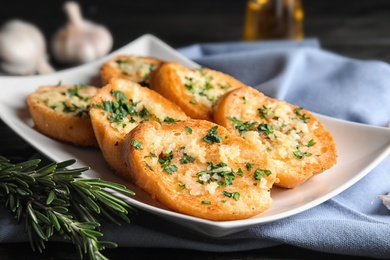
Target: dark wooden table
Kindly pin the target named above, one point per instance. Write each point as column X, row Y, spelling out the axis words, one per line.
column 357, row 29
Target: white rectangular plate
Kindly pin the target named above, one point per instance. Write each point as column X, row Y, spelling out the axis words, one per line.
column 360, row 147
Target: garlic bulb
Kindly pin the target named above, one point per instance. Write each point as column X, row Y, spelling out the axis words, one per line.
column 23, row 49
column 80, row 41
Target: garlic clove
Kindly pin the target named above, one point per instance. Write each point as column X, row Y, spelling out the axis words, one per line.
column 18, row 69
column 80, row 41
column 23, row 49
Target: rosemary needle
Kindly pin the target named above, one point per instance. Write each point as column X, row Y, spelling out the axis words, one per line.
column 56, row 200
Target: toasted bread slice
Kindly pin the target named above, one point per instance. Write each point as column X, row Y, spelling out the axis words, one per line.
column 194, row 90
column 132, row 67
column 120, row 106
column 296, row 140
column 61, row 112
column 198, row 168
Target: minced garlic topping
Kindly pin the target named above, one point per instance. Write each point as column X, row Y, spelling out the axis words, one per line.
column 135, row 66
column 278, row 130
column 202, row 86
column 73, row 101
column 186, row 162
column 125, row 114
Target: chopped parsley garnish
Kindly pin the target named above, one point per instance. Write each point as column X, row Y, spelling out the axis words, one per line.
column 249, row 166
column 224, row 87
column 259, row 173
column 267, row 129
column 166, row 159
column 302, row 117
column 300, row 154
column 122, row 61
column 80, row 112
column 243, row 126
column 151, row 155
column 311, row 143
column 151, row 68
column 220, row 173
column 297, row 111
column 170, row 168
column 189, row 85
column 212, row 136
column 170, row 120
column 206, row 202
column 264, row 111
column 119, row 95
column 188, row 129
column 187, row 159
column 123, row 108
column 144, row 112
column 97, row 106
column 239, row 172
column 150, row 167
column 165, row 162
column 74, row 92
column 234, row 195
column 136, row 144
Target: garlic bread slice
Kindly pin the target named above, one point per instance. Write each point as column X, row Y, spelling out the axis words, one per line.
column 132, row 67
column 298, row 143
column 194, row 90
column 61, row 112
column 120, row 106
column 198, row 168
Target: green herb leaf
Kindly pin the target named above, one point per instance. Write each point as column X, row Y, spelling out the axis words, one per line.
column 188, row 129
column 234, row 195
column 212, row 136
column 136, row 144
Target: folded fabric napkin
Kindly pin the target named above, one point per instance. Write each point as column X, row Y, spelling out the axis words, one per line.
column 355, row 222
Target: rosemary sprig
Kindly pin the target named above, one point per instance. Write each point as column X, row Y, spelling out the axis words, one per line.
column 56, row 200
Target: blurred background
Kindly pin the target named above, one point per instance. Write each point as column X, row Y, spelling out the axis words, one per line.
column 357, row 28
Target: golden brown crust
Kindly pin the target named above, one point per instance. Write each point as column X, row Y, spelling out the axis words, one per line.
column 167, row 161
column 47, row 111
column 141, row 104
column 297, row 141
column 194, row 90
column 131, row 67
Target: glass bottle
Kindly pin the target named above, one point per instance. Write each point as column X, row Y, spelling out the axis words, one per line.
column 273, row 19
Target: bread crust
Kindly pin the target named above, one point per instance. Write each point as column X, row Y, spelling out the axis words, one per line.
column 194, row 90
column 65, row 123
column 110, row 127
column 295, row 139
column 131, row 67
column 148, row 146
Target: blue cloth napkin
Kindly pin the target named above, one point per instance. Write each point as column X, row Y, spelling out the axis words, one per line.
column 303, row 74
column 353, row 223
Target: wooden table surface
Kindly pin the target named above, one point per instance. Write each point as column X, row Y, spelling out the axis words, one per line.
column 356, row 29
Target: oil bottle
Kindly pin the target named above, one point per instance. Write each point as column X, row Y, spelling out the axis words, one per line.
column 273, row 19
